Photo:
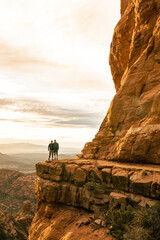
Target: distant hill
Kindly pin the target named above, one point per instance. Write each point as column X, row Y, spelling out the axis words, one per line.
column 25, row 162
column 14, row 148
column 16, row 163
column 21, row 148
column 23, row 156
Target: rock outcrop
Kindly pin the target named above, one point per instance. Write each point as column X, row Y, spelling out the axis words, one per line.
column 74, row 195
column 17, row 204
column 15, row 227
column 17, row 187
column 90, row 184
column 130, row 131
column 60, row 222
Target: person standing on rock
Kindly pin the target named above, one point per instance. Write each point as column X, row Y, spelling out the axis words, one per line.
column 55, row 149
column 51, row 150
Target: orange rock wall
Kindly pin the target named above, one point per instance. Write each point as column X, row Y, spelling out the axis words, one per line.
column 131, row 128
column 60, row 222
column 124, row 4
column 89, row 184
column 72, row 194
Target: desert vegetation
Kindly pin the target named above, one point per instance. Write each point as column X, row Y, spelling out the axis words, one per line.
column 129, row 223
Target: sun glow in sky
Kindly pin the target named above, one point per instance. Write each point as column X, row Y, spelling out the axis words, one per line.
column 54, row 72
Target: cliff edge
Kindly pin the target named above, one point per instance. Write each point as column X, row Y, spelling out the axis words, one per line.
column 130, row 131
column 74, row 196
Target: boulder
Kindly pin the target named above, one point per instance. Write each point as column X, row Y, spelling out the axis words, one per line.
column 69, row 171
column 141, row 183
column 79, row 177
column 116, row 199
column 96, row 175
column 120, row 179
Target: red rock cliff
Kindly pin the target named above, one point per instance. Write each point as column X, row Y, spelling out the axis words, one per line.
column 73, row 196
column 131, row 128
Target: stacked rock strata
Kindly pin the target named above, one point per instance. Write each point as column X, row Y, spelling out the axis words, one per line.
column 97, row 185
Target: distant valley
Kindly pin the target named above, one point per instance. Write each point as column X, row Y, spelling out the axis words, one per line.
column 23, row 156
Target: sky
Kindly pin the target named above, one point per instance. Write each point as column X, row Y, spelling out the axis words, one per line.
column 55, row 80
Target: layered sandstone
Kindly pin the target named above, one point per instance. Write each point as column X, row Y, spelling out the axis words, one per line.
column 131, row 128
column 82, row 183
column 73, row 196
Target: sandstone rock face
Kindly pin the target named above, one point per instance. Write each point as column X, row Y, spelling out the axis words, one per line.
column 91, row 183
column 131, row 128
column 74, row 195
column 15, row 227
column 124, row 4
column 55, row 222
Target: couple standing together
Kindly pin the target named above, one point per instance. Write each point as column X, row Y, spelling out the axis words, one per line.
column 53, row 148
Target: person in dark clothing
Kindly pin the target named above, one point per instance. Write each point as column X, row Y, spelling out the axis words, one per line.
column 55, row 149
column 51, row 150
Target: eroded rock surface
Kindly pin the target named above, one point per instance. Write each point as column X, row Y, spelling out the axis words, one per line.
column 56, row 221
column 131, row 128
column 17, row 204
column 15, row 227
column 67, row 190
column 15, row 188
column 88, row 183
column 70, row 191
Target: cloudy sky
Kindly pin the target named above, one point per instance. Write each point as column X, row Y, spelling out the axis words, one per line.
column 55, row 79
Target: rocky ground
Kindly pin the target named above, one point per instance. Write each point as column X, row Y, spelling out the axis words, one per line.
column 67, row 186
column 17, row 204
column 15, row 188
column 16, row 227
column 74, row 182
column 57, row 221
